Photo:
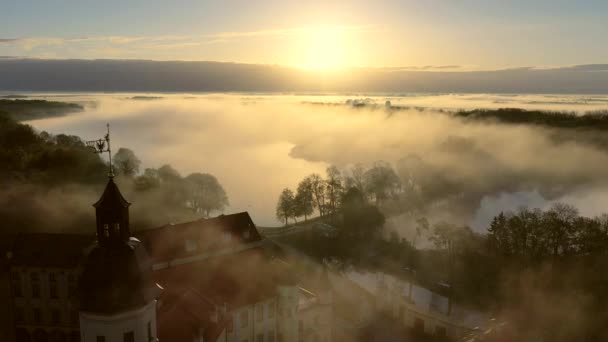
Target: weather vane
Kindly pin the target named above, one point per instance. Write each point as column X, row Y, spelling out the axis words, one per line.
column 103, row 145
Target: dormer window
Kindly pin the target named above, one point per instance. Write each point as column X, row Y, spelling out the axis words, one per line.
column 191, row 245
column 227, row 237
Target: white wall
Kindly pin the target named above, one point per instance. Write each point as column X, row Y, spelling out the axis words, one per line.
column 113, row 327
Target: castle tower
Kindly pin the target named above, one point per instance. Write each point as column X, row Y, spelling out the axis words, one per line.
column 117, row 294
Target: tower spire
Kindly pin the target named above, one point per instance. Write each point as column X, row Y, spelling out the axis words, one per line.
column 103, row 145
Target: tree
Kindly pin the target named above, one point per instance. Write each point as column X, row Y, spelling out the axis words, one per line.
column 559, row 222
column 422, row 225
column 205, row 194
column 149, row 180
column 356, row 179
column 285, row 206
column 381, row 181
column 334, row 188
column 317, row 185
column 304, row 200
column 126, row 163
column 167, row 173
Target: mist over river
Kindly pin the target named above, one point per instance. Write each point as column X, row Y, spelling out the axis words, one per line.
column 258, row 144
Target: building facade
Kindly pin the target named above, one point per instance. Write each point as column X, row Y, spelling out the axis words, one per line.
column 212, row 279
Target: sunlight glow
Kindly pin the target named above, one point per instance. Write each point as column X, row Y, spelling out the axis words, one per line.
column 325, row 49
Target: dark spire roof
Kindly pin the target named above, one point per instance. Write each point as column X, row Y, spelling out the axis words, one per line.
column 112, row 197
column 117, row 279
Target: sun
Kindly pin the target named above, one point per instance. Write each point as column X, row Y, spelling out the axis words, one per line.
column 325, row 49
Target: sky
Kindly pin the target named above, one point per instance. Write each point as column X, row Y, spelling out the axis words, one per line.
column 459, row 35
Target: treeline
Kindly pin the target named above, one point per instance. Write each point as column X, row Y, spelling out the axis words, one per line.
column 325, row 195
column 597, row 120
column 48, row 183
column 199, row 192
column 23, row 110
column 540, row 270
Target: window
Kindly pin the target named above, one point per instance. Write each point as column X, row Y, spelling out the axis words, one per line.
column 53, row 290
column 55, row 316
column 73, row 316
column 246, row 235
column 419, row 324
column 19, row 314
column 231, row 326
column 149, row 327
column 37, row 315
column 244, row 319
column 128, row 337
column 17, row 284
column 191, row 245
column 53, row 285
column 101, row 339
column 71, row 285
column 116, row 228
column 106, row 232
column 271, row 309
column 35, row 284
column 259, row 338
column 259, row 312
column 440, row 331
column 300, row 327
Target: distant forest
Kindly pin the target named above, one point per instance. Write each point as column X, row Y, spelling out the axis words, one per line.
column 596, row 120
column 23, row 110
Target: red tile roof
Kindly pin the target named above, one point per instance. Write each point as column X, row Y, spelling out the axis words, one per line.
column 169, row 242
column 162, row 244
column 237, row 279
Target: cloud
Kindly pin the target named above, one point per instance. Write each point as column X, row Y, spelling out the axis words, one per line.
column 8, row 40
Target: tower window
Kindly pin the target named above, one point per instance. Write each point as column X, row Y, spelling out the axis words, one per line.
column 128, row 337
